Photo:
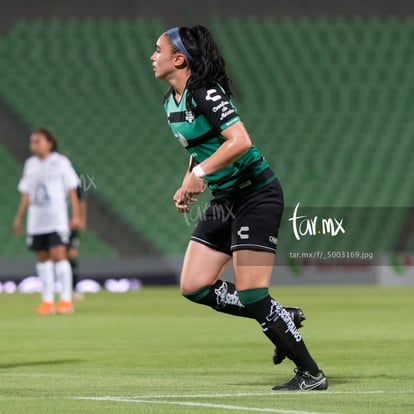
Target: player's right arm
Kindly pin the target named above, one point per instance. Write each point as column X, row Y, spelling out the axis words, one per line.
column 18, row 219
column 24, row 187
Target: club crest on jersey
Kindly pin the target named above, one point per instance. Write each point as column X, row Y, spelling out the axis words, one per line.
column 189, row 116
column 181, row 139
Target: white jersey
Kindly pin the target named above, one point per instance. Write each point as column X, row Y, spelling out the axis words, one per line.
column 47, row 182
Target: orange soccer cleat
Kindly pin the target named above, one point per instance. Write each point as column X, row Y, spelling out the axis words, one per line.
column 65, row 307
column 46, row 308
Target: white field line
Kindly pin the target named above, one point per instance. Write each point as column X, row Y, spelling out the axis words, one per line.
column 196, row 404
column 259, row 394
column 160, row 399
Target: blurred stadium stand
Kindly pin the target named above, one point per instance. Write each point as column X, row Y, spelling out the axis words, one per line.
column 329, row 101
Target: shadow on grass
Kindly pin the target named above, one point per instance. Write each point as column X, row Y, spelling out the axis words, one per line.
column 38, row 363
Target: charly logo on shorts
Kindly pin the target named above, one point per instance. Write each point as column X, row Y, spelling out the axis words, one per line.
column 242, row 232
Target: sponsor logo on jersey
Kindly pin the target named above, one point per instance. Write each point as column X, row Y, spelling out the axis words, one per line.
column 41, row 196
column 226, row 114
column 212, row 95
column 222, row 105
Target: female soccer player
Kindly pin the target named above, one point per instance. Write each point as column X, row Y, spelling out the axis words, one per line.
column 242, row 221
column 48, row 179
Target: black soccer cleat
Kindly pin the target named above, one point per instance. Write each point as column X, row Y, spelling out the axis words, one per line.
column 304, row 381
column 297, row 316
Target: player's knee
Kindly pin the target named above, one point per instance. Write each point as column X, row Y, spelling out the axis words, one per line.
column 185, row 286
column 190, row 288
column 58, row 253
column 198, row 295
column 190, row 284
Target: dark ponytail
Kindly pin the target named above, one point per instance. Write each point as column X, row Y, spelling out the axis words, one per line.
column 49, row 138
column 207, row 65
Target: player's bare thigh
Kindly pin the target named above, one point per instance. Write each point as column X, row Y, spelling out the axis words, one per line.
column 42, row 255
column 202, row 267
column 55, row 253
column 252, row 269
column 58, row 253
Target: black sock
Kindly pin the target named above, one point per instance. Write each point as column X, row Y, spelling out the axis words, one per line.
column 74, row 264
column 222, row 297
column 281, row 330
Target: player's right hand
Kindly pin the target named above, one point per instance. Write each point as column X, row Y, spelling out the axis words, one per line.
column 18, row 225
column 182, row 202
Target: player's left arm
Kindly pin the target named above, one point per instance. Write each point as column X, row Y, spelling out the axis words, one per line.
column 82, row 207
column 237, row 142
column 217, row 107
column 75, row 220
column 82, row 214
column 222, row 115
column 71, row 183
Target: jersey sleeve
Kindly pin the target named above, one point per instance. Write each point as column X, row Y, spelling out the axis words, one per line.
column 24, row 185
column 79, row 192
column 216, row 106
column 70, row 178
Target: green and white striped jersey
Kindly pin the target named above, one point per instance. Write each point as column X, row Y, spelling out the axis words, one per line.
column 199, row 131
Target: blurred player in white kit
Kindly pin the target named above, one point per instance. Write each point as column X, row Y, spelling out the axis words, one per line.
column 48, row 181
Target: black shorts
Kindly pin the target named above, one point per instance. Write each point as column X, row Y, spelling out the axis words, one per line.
column 248, row 223
column 74, row 241
column 46, row 241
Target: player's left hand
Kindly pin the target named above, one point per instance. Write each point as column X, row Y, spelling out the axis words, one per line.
column 75, row 223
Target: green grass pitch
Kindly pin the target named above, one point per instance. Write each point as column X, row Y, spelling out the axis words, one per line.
column 151, row 352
